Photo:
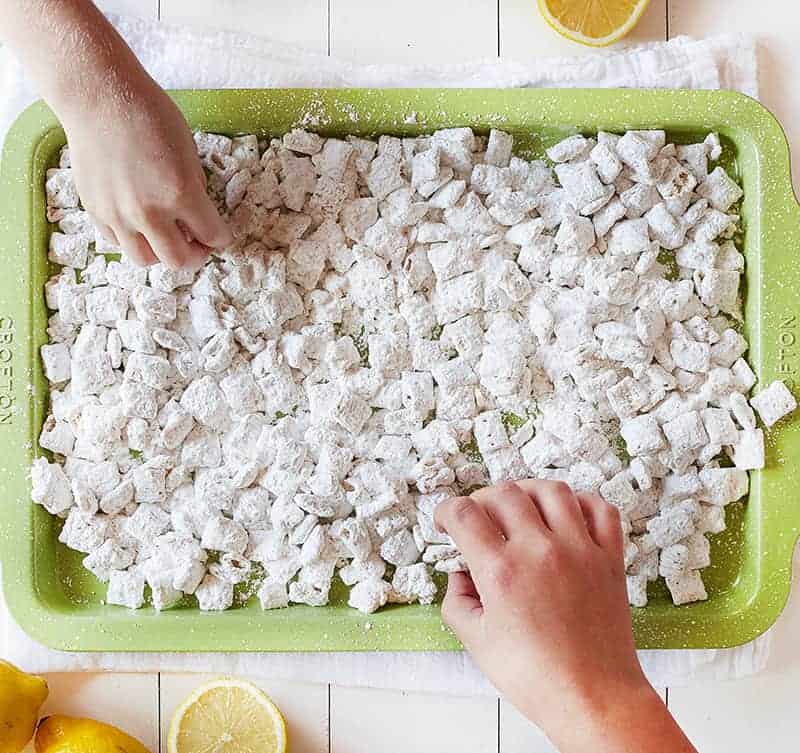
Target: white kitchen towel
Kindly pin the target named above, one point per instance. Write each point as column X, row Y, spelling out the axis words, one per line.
column 187, row 58
column 190, row 58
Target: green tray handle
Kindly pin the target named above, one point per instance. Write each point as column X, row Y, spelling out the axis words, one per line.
column 22, row 227
column 773, row 306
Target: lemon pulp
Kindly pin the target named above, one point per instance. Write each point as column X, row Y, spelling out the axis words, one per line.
column 592, row 22
column 228, row 716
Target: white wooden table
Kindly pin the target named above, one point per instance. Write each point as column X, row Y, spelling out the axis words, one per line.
column 738, row 717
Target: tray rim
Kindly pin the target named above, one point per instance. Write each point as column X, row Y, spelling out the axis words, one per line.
column 416, row 628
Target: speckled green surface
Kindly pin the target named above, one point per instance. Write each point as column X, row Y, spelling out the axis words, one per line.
column 61, row 605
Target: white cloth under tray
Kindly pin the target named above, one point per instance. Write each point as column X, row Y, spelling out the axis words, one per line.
column 186, row 58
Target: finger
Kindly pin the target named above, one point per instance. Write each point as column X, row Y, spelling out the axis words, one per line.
column 469, row 525
column 106, row 232
column 558, row 505
column 204, row 223
column 136, row 248
column 174, row 249
column 512, row 509
column 461, row 606
column 602, row 520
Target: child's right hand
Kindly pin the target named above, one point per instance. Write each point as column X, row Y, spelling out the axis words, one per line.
column 139, row 176
column 544, row 613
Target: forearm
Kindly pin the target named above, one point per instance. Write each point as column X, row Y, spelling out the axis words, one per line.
column 74, row 55
column 639, row 723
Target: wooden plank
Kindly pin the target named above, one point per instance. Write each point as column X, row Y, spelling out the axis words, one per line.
column 303, row 705
column 364, row 720
column 519, row 735
column 143, row 8
column 416, row 31
column 301, row 22
column 128, row 701
column 741, row 716
column 524, row 34
column 779, row 65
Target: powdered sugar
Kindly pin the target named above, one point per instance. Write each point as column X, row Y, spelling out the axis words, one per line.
column 396, row 323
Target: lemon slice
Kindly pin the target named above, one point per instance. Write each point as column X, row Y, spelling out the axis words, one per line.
column 227, row 716
column 593, row 22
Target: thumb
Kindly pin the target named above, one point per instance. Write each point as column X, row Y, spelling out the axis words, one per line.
column 461, row 606
column 205, row 225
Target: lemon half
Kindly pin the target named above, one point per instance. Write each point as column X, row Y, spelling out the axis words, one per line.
column 227, row 716
column 593, row 22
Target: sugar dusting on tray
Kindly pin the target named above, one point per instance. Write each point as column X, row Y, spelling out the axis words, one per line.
column 400, row 321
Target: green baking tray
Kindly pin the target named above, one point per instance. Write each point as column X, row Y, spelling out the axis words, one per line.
column 61, row 605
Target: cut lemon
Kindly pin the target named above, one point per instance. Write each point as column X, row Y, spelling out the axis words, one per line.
column 227, row 716
column 592, row 22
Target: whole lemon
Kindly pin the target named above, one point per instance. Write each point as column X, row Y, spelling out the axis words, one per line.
column 21, row 697
column 65, row 734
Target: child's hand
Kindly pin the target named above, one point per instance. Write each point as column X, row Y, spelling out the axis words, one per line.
column 135, row 161
column 139, row 176
column 544, row 612
column 547, row 588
